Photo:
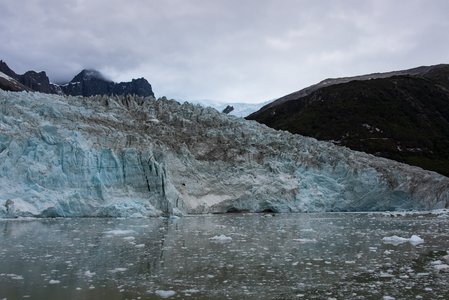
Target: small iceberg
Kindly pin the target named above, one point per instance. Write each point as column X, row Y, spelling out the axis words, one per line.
column 165, row 294
column 119, row 232
column 221, row 238
column 396, row 240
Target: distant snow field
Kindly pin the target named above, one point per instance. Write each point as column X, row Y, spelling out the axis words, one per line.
column 240, row 109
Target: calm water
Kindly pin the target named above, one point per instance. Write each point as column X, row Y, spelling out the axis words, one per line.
column 297, row 256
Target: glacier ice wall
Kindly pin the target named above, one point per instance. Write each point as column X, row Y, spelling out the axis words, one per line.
column 131, row 156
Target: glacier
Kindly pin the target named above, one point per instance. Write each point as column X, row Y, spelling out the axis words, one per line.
column 240, row 109
column 111, row 156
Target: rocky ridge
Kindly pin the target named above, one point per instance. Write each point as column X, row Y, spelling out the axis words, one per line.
column 91, row 82
column 136, row 157
column 86, row 83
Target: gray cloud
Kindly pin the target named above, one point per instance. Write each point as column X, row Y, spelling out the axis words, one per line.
column 223, row 49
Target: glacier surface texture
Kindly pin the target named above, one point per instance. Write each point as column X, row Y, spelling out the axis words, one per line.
column 139, row 157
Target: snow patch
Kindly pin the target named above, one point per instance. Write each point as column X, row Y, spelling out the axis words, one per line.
column 3, row 75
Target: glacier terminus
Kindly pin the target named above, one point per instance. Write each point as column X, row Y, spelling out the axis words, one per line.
column 126, row 156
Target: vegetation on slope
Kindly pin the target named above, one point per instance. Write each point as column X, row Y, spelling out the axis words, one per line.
column 405, row 118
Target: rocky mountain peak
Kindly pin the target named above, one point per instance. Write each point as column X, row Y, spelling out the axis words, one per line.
column 89, row 74
column 6, row 70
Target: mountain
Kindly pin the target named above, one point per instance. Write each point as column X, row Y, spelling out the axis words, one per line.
column 401, row 115
column 86, row 83
column 136, row 157
column 91, row 82
column 239, row 109
column 31, row 80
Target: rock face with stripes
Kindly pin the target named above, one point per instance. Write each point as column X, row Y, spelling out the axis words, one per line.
column 138, row 157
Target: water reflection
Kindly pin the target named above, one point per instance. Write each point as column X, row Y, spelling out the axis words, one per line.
column 224, row 257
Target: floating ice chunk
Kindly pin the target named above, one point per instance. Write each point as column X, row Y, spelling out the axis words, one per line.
column 116, row 270
column 305, row 240
column 140, row 246
column 388, row 298
column 89, row 274
column 15, row 276
column 385, row 275
column 439, row 266
column 350, row 262
column 52, row 281
column 165, row 294
column 221, row 238
column 416, row 240
column 396, row 240
column 129, row 238
column 119, row 232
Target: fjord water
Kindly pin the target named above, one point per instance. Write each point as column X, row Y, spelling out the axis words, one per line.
column 233, row 256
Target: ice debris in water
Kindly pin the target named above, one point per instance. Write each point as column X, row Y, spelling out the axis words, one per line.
column 439, row 266
column 305, row 240
column 396, row 240
column 165, row 294
column 52, row 281
column 119, row 232
column 15, row 276
column 118, row 270
column 221, row 238
column 89, row 274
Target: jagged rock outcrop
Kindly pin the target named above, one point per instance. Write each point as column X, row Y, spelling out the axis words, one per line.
column 400, row 115
column 228, row 109
column 134, row 156
column 30, row 81
column 91, row 82
column 39, row 82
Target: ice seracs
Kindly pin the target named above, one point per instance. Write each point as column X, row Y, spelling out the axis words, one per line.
column 105, row 156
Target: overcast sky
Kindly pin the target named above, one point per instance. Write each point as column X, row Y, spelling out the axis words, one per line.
column 240, row 50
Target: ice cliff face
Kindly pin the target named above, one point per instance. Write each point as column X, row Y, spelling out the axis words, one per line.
column 125, row 156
